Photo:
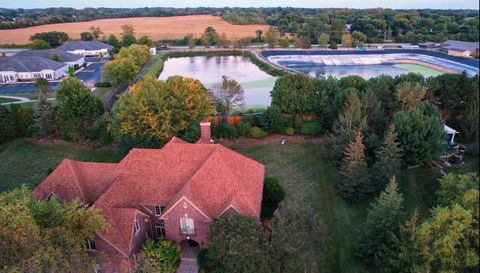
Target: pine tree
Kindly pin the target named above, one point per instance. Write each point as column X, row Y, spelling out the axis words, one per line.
column 378, row 239
column 354, row 183
column 349, row 121
column 373, row 109
column 44, row 116
column 7, row 124
column 388, row 159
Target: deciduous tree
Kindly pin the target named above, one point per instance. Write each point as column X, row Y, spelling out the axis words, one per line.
column 140, row 54
column 410, row 94
column 128, row 35
column 121, row 71
column 227, row 94
column 293, row 94
column 156, row 111
column 272, row 36
column 77, row 109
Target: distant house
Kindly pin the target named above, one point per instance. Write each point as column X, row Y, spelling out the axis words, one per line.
column 65, row 57
column 29, row 68
column 174, row 192
column 460, row 48
column 87, row 48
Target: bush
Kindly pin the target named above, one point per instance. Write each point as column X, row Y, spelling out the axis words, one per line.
column 254, row 120
column 298, row 125
column 243, row 128
column 273, row 121
column 103, row 84
column 290, row 131
column 257, row 132
column 333, row 45
column 312, row 128
column 273, row 194
column 160, row 256
column 100, row 130
column 226, row 130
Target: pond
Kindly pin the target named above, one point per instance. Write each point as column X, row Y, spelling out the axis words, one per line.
column 209, row 70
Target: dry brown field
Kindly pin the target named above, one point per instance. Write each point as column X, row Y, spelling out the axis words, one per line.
column 157, row 28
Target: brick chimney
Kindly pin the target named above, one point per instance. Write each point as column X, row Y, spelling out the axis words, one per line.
column 205, row 133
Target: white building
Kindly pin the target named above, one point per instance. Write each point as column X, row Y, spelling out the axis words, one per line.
column 87, row 48
column 19, row 68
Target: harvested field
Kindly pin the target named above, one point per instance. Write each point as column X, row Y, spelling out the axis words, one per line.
column 175, row 27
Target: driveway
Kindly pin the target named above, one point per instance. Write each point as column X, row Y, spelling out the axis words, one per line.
column 92, row 73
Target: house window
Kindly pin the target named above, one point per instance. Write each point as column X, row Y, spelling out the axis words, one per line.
column 160, row 230
column 90, row 244
column 48, row 76
column 186, row 226
column 159, row 210
column 136, row 227
column 37, row 75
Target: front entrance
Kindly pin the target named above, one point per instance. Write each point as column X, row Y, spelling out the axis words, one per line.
column 189, row 251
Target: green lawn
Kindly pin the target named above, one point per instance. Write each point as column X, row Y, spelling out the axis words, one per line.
column 102, row 92
column 305, row 173
column 156, row 68
column 25, row 161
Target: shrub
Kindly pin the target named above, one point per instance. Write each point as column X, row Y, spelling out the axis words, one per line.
column 103, row 84
column 100, row 130
column 290, row 131
column 273, row 194
column 273, row 121
column 226, row 130
column 243, row 128
column 298, row 125
column 312, row 128
column 161, row 256
column 284, row 43
column 257, row 132
column 254, row 120
column 333, row 45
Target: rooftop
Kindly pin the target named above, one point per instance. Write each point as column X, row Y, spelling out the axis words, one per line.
column 29, row 64
column 84, row 45
column 48, row 54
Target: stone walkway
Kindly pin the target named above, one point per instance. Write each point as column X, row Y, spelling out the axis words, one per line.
column 188, row 266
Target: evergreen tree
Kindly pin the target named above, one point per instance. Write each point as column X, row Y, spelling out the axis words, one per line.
column 7, row 124
column 351, row 120
column 372, row 107
column 44, row 115
column 378, row 238
column 354, row 183
column 388, row 158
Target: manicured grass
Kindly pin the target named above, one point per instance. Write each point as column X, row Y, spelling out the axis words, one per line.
column 3, row 100
column 420, row 69
column 156, row 68
column 25, row 161
column 268, row 82
column 305, row 173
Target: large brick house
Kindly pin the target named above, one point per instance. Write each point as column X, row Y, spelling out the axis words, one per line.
column 174, row 192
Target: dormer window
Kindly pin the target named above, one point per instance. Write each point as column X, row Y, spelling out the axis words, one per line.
column 90, row 244
column 159, row 210
column 136, row 227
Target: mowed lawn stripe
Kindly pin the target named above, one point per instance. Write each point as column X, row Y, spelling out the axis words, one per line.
column 25, row 161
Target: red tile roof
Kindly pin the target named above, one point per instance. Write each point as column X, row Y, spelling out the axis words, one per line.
column 211, row 176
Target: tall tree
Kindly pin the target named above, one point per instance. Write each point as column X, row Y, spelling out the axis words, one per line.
column 86, row 36
column 113, row 41
column 128, row 35
column 293, row 94
column 420, row 132
column 378, row 238
column 350, row 120
column 210, row 36
column 272, row 36
column 96, row 32
column 375, row 114
column 323, row 40
column 227, row 95
column 53, row 38
column 388, row 159
column 77, row 109
column 156, row 111
column 7, row 124
column 45, row 236
column 145, row 40
column 354, row 183
column 44, row 116
column 259, row 35
column 238, row 245
column 121, row 71
column 410, row 94
column 140, row 54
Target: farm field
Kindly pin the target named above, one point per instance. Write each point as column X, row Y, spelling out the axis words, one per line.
column 175, row 27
